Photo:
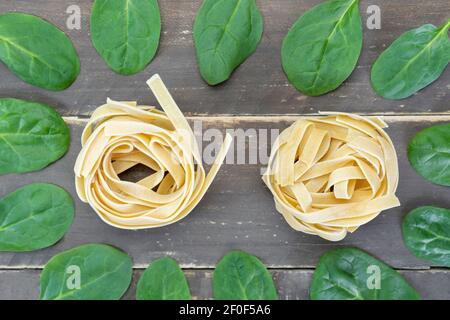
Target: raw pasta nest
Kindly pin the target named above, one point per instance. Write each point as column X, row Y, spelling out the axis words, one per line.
column 121, row 135
column 330, row 175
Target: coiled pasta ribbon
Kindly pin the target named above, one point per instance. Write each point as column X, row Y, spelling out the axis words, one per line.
column 121, row 135
column 329, row 175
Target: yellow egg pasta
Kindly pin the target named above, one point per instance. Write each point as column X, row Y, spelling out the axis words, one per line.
column 121, row 135
column 329, row 175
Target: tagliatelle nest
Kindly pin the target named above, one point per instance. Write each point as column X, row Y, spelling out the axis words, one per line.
column 329, row 175
column 121, row 135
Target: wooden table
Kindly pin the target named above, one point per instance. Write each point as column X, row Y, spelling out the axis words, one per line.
column 238, row 211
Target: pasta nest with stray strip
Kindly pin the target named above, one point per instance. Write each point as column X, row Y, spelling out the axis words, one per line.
column 121, row 135
column 329, row 175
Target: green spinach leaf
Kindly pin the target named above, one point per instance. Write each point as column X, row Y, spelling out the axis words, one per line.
column 37, row 52
column 242, row 276
column 426, row 232
column 87, row 272
column 322, row 48
column 429, row 154
column 163, row 280
column 413, row 61
column 226, row 33
column 32, row 135
column 351, row 274
column 126, row 33
column 34, row 217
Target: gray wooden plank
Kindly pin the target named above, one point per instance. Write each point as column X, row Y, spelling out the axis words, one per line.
column 291, row 284
column 258, row 86
column 237, row 213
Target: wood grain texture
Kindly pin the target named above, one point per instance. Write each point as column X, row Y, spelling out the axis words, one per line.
column 237, row 213
column 259, row 86
column 292, row 284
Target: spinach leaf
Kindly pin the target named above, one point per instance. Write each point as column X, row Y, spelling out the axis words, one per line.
column 34, row 217
column 322, row 48
column 429, row 154
column 126, row 33
column 37, row 52
column 242, row 276
column 413, row 61
column 426, row 232
column 226, row 33
column 351, row 274
column 87, row 272
column 163, row 280
column 32, row 135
